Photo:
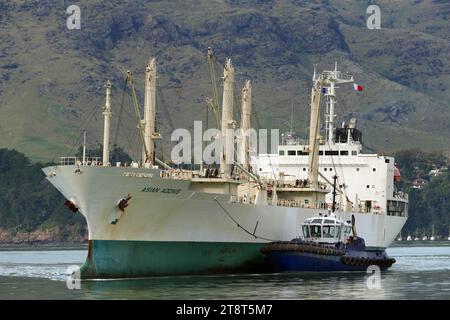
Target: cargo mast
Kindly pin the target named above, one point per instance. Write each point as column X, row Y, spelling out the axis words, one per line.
column 227, row 120
column 149, row 112
column 106, row 126
column 246, row 106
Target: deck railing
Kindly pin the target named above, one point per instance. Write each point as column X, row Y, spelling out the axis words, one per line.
column 70, row 161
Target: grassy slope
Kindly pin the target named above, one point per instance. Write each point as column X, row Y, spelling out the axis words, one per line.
column 60, row 73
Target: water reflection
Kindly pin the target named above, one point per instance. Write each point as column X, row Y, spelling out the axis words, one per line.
column 420, row 273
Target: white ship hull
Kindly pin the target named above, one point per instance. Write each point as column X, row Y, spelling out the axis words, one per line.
column 166, row 211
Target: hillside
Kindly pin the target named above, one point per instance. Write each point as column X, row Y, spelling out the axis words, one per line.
column 33, row 211
column 51, row 77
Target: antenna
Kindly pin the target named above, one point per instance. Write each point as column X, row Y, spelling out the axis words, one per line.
column 84, row 147
column 292, row 113
column 331, row 80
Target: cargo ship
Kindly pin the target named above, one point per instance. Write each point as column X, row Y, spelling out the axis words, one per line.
column 147, row 218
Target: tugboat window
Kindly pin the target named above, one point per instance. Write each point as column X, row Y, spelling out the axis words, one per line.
column 291, row 152
column 316, row 231
column 281, row 152
column 328, row 231
column 306, row 232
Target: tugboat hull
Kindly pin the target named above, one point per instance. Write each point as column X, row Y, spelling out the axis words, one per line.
column 292, row 256
column 294, row 261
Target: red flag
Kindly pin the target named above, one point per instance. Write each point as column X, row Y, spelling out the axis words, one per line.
column 397, row 175
column 358, row 87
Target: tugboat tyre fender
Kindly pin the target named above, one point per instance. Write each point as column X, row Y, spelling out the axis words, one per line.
column 361, row 262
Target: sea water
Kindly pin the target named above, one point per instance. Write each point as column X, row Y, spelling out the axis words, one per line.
column 422, row 271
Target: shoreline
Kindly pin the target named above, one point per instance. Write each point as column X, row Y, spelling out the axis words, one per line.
column 6, row 245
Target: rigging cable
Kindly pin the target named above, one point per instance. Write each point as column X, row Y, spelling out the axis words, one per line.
column 119, row 119
column 82, row 126
column 239, row 226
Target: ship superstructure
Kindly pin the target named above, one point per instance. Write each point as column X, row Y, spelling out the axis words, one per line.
column 147, row 218
column 365, row 182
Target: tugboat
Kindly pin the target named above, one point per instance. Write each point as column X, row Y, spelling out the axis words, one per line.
column 327, row 244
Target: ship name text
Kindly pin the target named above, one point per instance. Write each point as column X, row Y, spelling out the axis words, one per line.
column 161, row 190
column 137, row 175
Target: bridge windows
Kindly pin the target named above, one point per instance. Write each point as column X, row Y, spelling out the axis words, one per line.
column 291, row 152
column 281, row 152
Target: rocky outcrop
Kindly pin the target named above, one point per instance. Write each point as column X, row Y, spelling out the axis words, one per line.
column 50, row 235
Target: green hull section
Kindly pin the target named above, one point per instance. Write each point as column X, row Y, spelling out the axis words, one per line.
column 131, row 259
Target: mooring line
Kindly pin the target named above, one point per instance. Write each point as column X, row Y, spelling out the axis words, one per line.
column 239, row 226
